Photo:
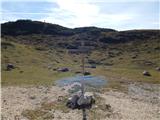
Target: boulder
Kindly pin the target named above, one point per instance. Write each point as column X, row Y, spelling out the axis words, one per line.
column 134, row 57
column 80, row 102
column 60, row 98
column 146, row 73
column 72, row 102
column 92, row 61
column 10, row 67
column 158, row 68
column 93, row 66
column 87, row 73
column 63, row 70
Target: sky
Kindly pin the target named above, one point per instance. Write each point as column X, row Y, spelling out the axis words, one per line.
column 115, row 14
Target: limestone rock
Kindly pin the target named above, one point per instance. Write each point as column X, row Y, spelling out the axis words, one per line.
column 146, row 73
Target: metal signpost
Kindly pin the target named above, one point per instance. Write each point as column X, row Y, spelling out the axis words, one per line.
column 82, row 50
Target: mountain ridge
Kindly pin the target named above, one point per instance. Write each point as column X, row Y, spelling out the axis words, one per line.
column 32, row 32
column 42, row 26
column 38, row 27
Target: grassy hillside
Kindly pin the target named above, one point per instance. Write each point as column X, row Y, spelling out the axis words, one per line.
column 120, row 56
column 33, row 66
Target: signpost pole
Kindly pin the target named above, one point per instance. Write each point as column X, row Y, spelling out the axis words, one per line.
column 83, row 71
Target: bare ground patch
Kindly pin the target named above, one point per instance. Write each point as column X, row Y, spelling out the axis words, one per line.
column 48, row 103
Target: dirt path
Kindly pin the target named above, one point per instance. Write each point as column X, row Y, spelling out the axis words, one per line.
column 124, row 106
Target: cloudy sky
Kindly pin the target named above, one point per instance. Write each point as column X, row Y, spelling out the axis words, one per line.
column 116, row 14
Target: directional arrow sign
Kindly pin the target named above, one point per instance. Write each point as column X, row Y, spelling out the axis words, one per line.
column 81, row 49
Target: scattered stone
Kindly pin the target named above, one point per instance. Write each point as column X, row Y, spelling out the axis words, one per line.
column 87, row 73
column 21, row 71
column 4, row 101
column 148, row 51
column 149, row 63
column 93, row 66
column 17, row 62
column 157, row 48
column 32, row 97
column 80, row 102
column 60, row 98
column 49, row 67
column 92, row 61
column 134, row 57
column 95, row 106
column 63, row 70
column 75, row 60
column 146, row 73
column 108, row 107
column 158, row 68
column 10, row 67
column 23, row 92
column 54, row 69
